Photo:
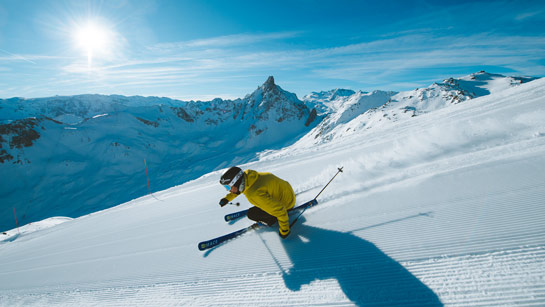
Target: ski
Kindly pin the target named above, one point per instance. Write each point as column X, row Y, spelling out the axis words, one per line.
column 219, row 240
column 308, row 204
column 239, row 214
column 235, row 215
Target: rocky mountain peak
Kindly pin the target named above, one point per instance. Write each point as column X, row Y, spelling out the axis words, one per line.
column 269, row 84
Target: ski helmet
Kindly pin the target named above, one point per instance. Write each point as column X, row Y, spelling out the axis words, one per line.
column 233, row 177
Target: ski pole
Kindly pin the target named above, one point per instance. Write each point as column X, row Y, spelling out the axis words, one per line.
column 340, row 170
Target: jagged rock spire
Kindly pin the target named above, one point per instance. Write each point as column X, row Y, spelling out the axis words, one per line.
column 269, row 84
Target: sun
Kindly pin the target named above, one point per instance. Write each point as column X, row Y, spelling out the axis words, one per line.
column 93, row 39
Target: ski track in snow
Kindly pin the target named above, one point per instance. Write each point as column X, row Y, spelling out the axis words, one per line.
column 447, row 208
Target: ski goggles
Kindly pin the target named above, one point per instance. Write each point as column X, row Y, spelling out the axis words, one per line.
column 235, row 179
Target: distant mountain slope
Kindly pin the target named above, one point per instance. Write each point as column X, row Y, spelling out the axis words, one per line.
column 328, row 101
column 361, row 111
column 70, row 156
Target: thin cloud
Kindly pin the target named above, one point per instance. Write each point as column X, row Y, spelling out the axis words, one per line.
column 528, row 15
column 226, row 41
column 30, row 58
column 241, row 39
column 15, row 57
column 420, row 52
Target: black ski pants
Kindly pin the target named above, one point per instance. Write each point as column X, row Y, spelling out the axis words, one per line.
column 258, row 215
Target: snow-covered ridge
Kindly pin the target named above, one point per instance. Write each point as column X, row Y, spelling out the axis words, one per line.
column 362, row 111
column 327, row 101
column 73, row 110
column 30, row 228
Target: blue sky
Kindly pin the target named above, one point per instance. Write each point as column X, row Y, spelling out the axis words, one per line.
column 205, row 49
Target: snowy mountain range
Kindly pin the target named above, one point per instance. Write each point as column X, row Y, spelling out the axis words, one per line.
column 70, row 156
column 75, row 155
column 441, row 205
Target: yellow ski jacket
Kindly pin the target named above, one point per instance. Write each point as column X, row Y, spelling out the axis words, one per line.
column 269, row 193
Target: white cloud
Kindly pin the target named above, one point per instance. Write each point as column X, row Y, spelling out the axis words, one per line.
column 414, row 52
column 224, row 41
column 528, row 15
column 30, row 58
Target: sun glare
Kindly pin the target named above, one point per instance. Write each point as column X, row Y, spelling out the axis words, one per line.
column 93, row 39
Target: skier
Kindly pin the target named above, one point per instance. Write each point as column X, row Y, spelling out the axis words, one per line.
column 271, row 196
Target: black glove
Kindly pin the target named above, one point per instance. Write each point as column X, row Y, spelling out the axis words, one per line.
column 223, row 202
column 283, row 236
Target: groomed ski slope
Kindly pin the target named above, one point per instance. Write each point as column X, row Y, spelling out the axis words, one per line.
column 445, row 208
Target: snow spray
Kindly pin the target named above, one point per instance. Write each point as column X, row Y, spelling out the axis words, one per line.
column 339, row 170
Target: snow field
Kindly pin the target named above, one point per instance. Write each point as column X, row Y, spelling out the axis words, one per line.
column 445, row 208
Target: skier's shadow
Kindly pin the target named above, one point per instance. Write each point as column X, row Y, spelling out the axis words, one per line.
column 365, row 274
